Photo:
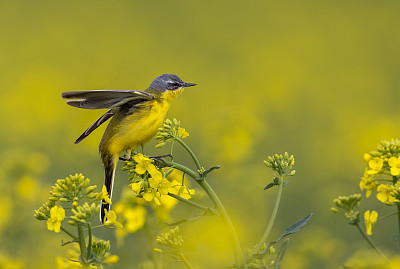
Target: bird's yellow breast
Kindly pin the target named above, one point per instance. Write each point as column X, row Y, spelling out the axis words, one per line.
column 139, row 127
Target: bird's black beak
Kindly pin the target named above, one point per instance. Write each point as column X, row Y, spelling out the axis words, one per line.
column 188, row 84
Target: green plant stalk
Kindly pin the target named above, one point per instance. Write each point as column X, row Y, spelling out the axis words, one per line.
column 218, row 204
column 202, row 207
column 81, row 241
column 373, row 246
column 267, row 232
column 89, row 247
column 228, row 222
column 184, row 260
column 395, row 179
column 70, row 234
column 386, row 216
column 191, row 153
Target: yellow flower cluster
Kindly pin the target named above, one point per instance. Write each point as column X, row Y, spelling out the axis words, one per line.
column 169, row 131
column 381, row 163
column 149, row 181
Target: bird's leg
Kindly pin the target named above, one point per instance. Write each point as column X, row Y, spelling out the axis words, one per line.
column 160, row 159
column 127, row 156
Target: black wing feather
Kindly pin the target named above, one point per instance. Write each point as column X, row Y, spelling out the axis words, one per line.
column 99, row 99
column 94, row 126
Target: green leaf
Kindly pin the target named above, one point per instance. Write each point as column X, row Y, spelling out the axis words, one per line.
column 270, row 185
column 280, row 254
column 295, row 227
column 206, row 172
column 290, row 230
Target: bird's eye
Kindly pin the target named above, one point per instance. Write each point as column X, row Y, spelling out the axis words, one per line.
column 173, row 85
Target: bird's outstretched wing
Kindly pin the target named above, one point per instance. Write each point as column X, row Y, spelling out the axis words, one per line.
column 98, row 99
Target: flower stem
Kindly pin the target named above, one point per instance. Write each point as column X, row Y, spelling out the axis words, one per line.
column 267, row 232
column 89, row 247
column 70, row 234
column 395, row 179
column 81, row 241
column 224, row 214
column 202, row 207
column 191, row 153
column 386, row 216
column 218, row 204
column 182, row 168
column 374, row 247
column 184, row 260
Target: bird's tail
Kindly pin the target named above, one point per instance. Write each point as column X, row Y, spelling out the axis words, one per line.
column 110, row 164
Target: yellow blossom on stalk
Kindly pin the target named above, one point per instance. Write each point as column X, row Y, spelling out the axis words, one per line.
column 394, row 164
column 368, row 183
column 134, row 218
column 370, row 219
column 367, row 157
column 146, row 164
column 143, row 163
column 110, row 218
column 375, row 164
column 180, row 190
column 161, row 184
column 385, row 194
column 152, row 195
column 136, row 187
column 57, row 215
column 182, row 133
column 113, row 259
column 105, row 196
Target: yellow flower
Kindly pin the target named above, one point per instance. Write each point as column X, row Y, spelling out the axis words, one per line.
column 385, row 194
column 105, row 196
column 57, row 215
column 180, row 190
column 113, row 259
column 152, row 195
column 110, row 218
column 376, row 165
column 367, row 157
column 143, row 163
column 394, row 164
column 161, row 184
column 370, row 219
column 182, row 133
column 368, row 183
column 136, row 187
column 135, row 218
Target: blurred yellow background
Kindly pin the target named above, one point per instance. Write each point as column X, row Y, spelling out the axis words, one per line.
column 319, row 79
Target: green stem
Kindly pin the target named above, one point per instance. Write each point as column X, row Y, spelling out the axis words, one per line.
column 272, row 219
column 89, row 247
column 218, row 204
column 224, row 214
column 386, row 216
column 374, row 247
column 184, row 260
column 81, row 241
column 182, row 168
column 395, row 179
column 202, row 207
column 191, row 153
column 70, row 234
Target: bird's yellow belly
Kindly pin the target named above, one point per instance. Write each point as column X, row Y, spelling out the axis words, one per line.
column 139, row 128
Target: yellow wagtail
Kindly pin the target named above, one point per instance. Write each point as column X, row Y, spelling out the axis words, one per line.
column 136, row 117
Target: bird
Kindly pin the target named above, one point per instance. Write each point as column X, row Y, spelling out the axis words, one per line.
column 135, row 119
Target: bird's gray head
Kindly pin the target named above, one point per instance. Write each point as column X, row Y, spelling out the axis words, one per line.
column 168, row 82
